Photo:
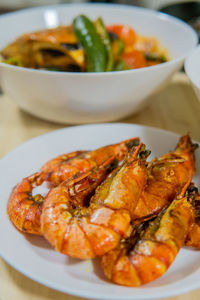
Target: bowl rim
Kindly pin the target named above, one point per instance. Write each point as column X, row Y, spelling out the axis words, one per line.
column 156, row 13
column 187, row 66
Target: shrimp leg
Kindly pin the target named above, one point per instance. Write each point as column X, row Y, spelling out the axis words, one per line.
column 193, row 237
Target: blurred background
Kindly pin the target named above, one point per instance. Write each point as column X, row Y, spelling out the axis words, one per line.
column 187, row 10
column 9, row 5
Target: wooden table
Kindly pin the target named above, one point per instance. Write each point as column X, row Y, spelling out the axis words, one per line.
column 176, row 108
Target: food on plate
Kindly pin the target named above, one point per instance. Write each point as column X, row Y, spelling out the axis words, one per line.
column 25, row 210
column 147, row 256
column 166, row 177
column 61, row 168
column 85, row 229
column 111, row 202
column 85, row 46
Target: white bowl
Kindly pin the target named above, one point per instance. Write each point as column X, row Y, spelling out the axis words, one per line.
column 91, row 97
column 192, row 69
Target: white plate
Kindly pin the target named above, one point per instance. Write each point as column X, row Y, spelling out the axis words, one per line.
column 33, row 256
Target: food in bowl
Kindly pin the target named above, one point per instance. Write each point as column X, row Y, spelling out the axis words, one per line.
column 85, row 46
column 91, row 97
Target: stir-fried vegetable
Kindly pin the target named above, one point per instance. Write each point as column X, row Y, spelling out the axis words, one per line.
column 13, row 61
column 118, row 45
column 134, row 59
column 124, row 32
column 121, row 65
column 85, row 46
column 155, row 57
column 92, row 44
column 101, row 30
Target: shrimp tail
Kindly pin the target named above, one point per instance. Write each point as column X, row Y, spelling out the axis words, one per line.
column 185, row 144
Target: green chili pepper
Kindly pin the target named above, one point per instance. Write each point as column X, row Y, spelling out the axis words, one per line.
column 120, row 46
column 121, row 65
column 117, row 43
column 53, row 69
column 91, row 43
column 155, row 57
column 101, row 30
column 13, row 61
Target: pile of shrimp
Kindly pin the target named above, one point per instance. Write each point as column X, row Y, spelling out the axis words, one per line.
column 115, row 204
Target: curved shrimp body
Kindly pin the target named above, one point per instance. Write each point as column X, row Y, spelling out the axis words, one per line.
column 58, row 163
column 166, row 177
column 139, row 261
column 24, row 209
column 86, row 232
column 63, row 167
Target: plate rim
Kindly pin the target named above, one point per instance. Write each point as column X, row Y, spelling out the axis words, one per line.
column 71, row 127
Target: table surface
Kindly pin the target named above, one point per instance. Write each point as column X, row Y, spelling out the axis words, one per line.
column 175, row 108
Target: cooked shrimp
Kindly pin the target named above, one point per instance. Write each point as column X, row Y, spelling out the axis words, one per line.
column 65, row 163
column 24, row 209
column 86, row 232
column 166, row 177
column 61, row 168
column 147, row 257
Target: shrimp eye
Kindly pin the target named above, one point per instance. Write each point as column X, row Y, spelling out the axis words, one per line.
column 195, row 146
column 113, row 165
column 145, row 153
column 192, row 189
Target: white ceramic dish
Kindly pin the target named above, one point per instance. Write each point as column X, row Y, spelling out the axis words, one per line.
column 90, row 97
column 34, row 257
column 192, row 69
